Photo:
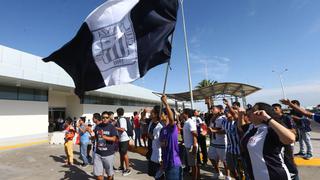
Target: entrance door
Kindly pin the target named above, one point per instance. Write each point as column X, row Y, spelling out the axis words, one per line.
column 56, row 119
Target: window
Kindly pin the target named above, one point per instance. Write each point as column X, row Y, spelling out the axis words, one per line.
column 26, row 94
column 7, row 92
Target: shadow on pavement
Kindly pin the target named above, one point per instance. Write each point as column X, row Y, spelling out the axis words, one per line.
column 76, row 173
column 139, row 165
column 61, row 159
column 73, row 172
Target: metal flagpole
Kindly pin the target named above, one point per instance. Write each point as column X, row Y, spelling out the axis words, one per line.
column 166, row 78
column 187, row 53
column 164, row 86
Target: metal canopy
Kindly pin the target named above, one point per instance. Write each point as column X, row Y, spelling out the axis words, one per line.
column 229, row 88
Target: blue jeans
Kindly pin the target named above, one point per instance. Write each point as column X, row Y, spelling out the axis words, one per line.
column 306, row 138
column 137, row 134
column 83, row 152
column 174, row 173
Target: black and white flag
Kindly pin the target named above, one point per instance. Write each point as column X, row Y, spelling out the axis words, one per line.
column 118, row 43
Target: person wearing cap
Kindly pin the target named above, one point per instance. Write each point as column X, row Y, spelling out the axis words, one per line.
column 218, row 144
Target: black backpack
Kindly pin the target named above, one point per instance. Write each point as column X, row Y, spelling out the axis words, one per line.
column 129, row 128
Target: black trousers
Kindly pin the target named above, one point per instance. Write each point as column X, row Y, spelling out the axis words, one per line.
column 203, row 147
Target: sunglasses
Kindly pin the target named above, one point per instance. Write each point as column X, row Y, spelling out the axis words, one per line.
column 105, row 117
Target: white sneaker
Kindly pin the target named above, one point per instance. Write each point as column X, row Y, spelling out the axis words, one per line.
column 228, row 178
column 221, row 176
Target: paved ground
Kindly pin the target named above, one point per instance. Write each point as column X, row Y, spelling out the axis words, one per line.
column 45, row 161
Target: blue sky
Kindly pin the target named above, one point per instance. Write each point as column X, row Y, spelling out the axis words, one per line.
column 240, row 41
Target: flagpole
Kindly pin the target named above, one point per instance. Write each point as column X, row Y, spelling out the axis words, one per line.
column 187, row 53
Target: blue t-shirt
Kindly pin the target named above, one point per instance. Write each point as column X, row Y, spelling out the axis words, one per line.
column 103, row 147
column 84, row 137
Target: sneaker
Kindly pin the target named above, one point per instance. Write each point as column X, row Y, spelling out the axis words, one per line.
column 228, row 178
column 307, row 156
column 117, row 170
column 126, row 172
column 221, row 176
column 300, row 154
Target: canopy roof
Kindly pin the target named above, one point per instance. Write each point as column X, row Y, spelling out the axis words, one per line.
column 228, row 88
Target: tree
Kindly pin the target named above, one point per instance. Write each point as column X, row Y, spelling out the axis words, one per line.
column 206, row 83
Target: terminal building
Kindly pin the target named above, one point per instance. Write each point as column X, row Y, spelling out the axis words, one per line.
column 34, row 93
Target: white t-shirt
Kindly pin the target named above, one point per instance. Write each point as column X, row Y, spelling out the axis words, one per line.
column 189, row 126
column 156, row 146
column 123, row 135
column 220, row 139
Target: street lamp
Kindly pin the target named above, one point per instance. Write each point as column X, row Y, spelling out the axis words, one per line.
column 280, row 74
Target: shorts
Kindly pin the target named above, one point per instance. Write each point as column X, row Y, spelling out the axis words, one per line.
column 217, row 154
column 103, row 163
column 123, row 147
column 191, row 157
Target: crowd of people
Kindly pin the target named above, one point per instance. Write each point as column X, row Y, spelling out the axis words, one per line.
column 256, row 142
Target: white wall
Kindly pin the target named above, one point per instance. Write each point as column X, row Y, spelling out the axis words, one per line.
column 57, row 99
column 74, row 108
column 21, row 119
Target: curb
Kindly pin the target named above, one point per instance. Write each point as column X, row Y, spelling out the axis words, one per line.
column 15, row 146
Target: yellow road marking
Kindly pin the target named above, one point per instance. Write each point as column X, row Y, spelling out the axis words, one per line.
column 23, row 145
column 311, row 162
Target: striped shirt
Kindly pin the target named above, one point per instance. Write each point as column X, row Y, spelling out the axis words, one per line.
column 231, row 129
column 263, row 154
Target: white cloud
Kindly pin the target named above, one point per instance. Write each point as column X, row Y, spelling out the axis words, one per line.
column 308, row 94
column 210, row 67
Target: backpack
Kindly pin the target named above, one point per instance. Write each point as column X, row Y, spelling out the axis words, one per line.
column 129, row 128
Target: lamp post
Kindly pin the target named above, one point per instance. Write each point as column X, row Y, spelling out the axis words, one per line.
column 280, row 74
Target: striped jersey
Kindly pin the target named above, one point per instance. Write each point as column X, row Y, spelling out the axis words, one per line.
column 262, row 153
column 233, row 139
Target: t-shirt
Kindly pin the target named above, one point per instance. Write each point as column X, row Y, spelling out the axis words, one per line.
column 103, row 147
column 287, row 121
column 316, row 117
column 262, row 153
column 69, row 133
column 198, row 123
column 189, row 126
column 231, row 129
column 123, row 135
column 218, row 140
column 156, row 148
column 170, row 150
column 136, row 122
column 84, row 136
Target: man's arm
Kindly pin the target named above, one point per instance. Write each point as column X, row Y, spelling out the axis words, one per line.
column 109, row 138
column 297, row 108
column 168, row 109
column 232, row 111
